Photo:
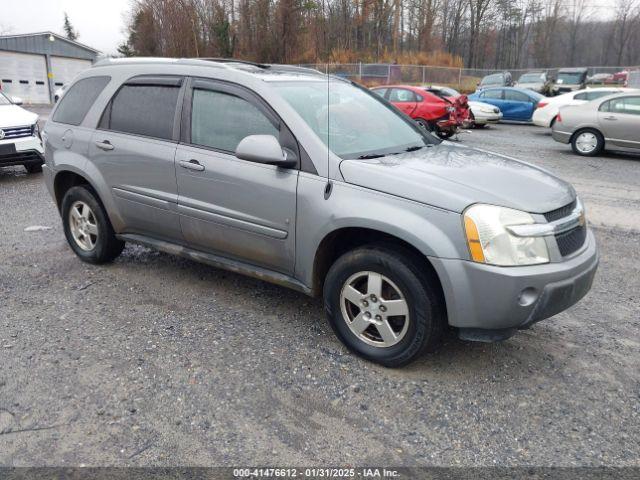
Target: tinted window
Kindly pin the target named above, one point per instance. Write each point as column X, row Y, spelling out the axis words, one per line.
column 597, row 94
column 581, row 96
column 380, row 91
column 401, row 95
column 495, row 79
column 495, row 94
column 514, row 96
column 220, row 120
column 147, row 110
column 78, row 100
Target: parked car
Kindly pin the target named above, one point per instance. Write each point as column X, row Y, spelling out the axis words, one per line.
column 481, row 114
column 633, row 79
column 20, row 142
column 570, row 79
column 600, row 79
column 57, row 95
column 548, row 108
column 536, row 81
column 316, row 184
column 440, row 115
column 609, row 122
column 516, row 104
column 502, row 79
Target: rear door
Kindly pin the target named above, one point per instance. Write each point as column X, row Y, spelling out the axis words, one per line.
column 619, row 119
column 134, row 150
column 231, row 207
column 404, row 99
column 519, row 106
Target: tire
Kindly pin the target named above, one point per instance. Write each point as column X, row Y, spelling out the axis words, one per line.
column 587, row 142
column 99, row 247
column 424, row 124
column 402, row 278
column 33, row 167
column 445, row 134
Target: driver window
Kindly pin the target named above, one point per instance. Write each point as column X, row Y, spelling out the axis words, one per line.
column 220, row 120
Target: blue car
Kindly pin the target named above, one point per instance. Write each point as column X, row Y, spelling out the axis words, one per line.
column 516, row 104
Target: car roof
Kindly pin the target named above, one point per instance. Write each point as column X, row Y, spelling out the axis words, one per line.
column 267, row 72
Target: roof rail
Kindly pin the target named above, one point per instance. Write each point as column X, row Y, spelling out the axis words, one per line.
column 234, row 60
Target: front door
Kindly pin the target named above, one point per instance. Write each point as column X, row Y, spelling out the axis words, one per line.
column 232, row 207
column 619, row 119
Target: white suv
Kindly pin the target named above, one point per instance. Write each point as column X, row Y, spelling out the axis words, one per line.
column 20, row 142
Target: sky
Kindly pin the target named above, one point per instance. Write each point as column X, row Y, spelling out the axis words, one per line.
column 99, row 22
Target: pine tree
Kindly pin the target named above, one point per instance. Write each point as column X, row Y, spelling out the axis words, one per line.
column 69, row 31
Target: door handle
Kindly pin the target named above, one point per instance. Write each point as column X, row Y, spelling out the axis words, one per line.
column 191, row 165
column 610, row 118
column 105, row 145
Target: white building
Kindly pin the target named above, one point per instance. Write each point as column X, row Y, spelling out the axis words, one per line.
column 33, row 66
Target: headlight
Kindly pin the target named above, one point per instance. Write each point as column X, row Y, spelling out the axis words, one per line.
column 36, row 130
column 490, row 242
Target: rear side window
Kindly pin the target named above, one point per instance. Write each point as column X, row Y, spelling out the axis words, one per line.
column 141, row 109
column 220, row 120
column 78, row 100
column 401, row 95
column 514, row 96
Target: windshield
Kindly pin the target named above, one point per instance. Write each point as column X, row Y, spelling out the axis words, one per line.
column 570, row 78
column 351, row 121
column 4, row 100
column 492, row 80
column 531, row 78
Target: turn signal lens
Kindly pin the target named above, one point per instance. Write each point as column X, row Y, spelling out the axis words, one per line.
column 542, row 104
column 473, row 240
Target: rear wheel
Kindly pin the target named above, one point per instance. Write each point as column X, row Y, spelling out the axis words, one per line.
column 444, row 134
column 587, row 142
column 382, row 305
column 424, row 124
column 87, row 227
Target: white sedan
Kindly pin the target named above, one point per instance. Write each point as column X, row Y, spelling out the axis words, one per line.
column 484, row 114
column 20, row 142
column 548, row 108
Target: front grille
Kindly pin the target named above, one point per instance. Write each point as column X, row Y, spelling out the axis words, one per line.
column 571, row 241
column 561, row 212
column 18, row 158
column 17, row 132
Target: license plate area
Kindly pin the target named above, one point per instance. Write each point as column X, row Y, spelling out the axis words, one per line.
column 8, row 149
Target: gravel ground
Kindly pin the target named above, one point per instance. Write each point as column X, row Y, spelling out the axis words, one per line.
column 156, row 360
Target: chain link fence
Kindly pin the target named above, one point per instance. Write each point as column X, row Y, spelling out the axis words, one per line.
column 462, row 79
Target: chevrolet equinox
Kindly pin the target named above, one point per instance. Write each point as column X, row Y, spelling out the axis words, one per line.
column 317, row 184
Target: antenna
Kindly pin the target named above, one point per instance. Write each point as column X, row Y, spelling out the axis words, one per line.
column 329, row 186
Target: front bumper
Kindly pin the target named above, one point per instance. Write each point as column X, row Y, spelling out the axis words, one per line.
column 487, row 297
column 484, row 118
column 21, row 151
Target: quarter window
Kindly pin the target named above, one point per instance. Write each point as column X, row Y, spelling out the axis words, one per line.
column 220, row 120
column 147, row 110
column 78, row 100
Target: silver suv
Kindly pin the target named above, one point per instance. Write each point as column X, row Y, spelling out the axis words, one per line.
column 317, row 184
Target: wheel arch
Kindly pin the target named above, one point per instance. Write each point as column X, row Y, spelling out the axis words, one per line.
column 342, row 240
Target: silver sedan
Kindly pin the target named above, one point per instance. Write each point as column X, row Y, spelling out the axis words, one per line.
column 611, row 122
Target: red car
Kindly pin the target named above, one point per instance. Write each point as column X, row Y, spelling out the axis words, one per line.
column 437, row 114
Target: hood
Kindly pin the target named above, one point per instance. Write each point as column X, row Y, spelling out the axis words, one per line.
column 15, row 116
column 453, row 177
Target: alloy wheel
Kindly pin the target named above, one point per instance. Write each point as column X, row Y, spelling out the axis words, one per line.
column 83, row 225
column 375, row 309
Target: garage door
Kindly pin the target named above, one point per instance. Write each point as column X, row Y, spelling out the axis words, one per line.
column 24, row 75
column 66, row 69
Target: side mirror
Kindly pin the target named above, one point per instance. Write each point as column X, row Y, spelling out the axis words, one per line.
column 264, row 149
column 16, row 100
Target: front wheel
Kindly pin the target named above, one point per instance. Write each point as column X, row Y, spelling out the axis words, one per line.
column 87, row 227
column 382, row 305
column 587, row 142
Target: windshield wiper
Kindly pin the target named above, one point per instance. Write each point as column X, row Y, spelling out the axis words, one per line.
column 414, row 148
column 369, row 156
